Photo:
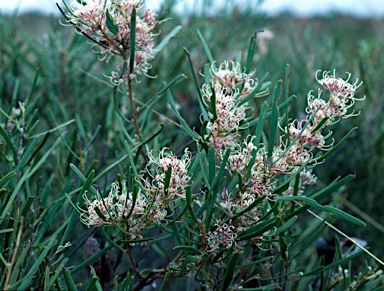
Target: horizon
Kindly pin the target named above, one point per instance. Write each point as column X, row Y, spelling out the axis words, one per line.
column 358, row 8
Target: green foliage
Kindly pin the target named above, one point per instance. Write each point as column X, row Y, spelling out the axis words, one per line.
column 67, row 133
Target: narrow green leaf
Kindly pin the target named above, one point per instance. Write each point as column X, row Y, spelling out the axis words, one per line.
column 213, row 104
column 205, row 47
column 327, row 208
column 211, row 165
column 189, row 202
column 201, row 101
column 93, row 258
column 261, row 85
column 220, row 175
column 321, row 123
column 253, row 94
column 127, row 280
column 251, row 53
column 7, row 178
column 46, row 278
column 21, row 261
column 286, row 93
column 25, row 284
column 260, row 124
column 187, row 248
column 32, row 88
column 286, row 225
column 57, row 127
column 29, row 155
column 258, row 229
column 56, row 275
column 230, row 272
column 26, row 154
column 282, row 106
column 167, row 181
column 256, row 141
column 249, row 208
column 133, row 166
column 16, row 90
column 331, row 188
column 183, row 123
column 207, row 75
column 94, row 284
column 106, row 236
column 11, row 200
column 210, row 208
column 133, row 41
column 83, row 179
column 322, row 158
column 97, row 282
column 166, row 39
column 135, row 193
column 9, row 144
column 323, row 269
column 73, row 215
column 238, row 57
column 166, row 86
column 274, row 119
column 315, row 271
column 6, row 230
column 26, row 204
column 114, row 28
column 68, row 279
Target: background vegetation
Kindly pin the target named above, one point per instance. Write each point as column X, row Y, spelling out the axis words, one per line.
column 71, row 111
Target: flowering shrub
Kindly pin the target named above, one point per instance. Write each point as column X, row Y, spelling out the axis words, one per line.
column 235, row 231
column 226, row 211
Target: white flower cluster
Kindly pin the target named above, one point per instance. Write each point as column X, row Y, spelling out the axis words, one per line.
column 148, row 207
column 229, row 85
column 114, row 208
column 109, row 23
column 287, row 157
column 179, row 175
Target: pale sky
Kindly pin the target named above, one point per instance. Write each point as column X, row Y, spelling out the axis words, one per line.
column 300, row 7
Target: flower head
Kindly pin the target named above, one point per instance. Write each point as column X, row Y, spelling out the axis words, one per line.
column 223, row 235
column 108, row 23
column 179, row 176
column 229, row 85
column 103, row 210
column 339, row 86
column 342, row 97
column 306, row 133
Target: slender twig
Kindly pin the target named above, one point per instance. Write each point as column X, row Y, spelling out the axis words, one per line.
column 344, row 235
column 10, row 266
column 133, row 263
